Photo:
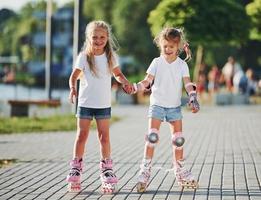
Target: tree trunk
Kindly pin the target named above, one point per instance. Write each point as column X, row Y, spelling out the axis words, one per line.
column 199, row 57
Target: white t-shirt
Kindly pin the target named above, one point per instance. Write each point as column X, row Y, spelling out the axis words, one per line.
column 95, row 91
column 167, row 87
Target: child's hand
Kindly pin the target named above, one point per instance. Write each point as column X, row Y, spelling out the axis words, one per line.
column 128, row 88
column 72, row 95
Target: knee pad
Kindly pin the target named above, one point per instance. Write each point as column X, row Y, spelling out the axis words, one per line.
column 178, row 140
column 152, row 137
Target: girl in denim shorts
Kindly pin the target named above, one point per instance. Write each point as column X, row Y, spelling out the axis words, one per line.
column 164, row 77
column 94, row 66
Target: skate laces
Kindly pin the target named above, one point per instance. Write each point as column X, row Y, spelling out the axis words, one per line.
column 181, row 172
column 108, row 173
column 76, row 167
column 145, row 169
column 106, row 168
column 75, row 172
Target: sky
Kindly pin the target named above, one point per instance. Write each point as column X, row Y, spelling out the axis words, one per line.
column 17, row 4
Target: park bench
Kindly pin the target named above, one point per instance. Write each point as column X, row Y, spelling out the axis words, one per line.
column 22, row 107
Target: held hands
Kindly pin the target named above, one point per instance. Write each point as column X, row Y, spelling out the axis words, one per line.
column 136, row 87
column 72, row 95
column 129, row 88
column 193, row 102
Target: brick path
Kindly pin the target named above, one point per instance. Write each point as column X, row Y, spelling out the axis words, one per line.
column 222, row 150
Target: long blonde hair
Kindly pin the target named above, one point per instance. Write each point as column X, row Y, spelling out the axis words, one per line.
column 110, row 47
column 170, row 33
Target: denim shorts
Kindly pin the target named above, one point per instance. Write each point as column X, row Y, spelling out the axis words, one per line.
column 90, row 113
column 162, row 113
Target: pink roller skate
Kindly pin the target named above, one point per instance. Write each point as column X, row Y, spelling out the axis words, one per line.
column 108, row 178
column 184, row 177
column 74, row 177
column 144, row 175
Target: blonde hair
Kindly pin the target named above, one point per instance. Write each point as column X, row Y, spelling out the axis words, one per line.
column 110, row 47
column 172, row 34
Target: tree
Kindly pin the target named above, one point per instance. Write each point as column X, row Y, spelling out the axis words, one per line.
column 7, row 26
column 132, row 30
column 18, row 29
column 206, row 23
column 98, row 9
column 254, row 11
column 5, row 14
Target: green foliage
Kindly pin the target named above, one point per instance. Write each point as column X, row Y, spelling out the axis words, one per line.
column 218, row 21
column 7, row 35
column 25, row 78
column 136, row 78
column 5, row 14
column 132, row 30
column 16, row 27
column 254, row 11
column 26, row 125
column 98, row 9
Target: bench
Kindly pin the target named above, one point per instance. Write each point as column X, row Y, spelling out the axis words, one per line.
column 21, row 108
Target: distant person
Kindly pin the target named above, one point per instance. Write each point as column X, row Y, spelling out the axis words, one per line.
column 202, row 79
column 252, row 84
column 95, row 65
column 8, row 75
column 228, row 73
column 202, row 82
column 167, row 72
column 240, row 81
column 213, row 79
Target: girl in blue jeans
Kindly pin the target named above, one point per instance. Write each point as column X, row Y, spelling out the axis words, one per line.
column 164, row 77
column 95, row 65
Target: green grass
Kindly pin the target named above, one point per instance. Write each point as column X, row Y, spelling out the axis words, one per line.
column 27, row 125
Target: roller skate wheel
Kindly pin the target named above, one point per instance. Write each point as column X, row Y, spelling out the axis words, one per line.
column 74, row 187
column 141, row 187
column 108, row 188
column 189, row 184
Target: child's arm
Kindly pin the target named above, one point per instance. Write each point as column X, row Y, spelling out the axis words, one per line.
column 72, row 84
column 119, row 76
column 145, row 84
column 191, row 90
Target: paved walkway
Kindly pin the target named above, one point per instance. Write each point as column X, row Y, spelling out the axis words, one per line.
column 222, row 150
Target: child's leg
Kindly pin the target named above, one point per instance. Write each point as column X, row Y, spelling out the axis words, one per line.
column 145, row 167
column 104, row 137
column 176, row 129
column 149, row 149
column 184, row 176
column 76, row 164
column 83, row 126
column 108, row 178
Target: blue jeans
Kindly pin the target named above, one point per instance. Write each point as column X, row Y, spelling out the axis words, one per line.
column 162, row 113
column 90, row 113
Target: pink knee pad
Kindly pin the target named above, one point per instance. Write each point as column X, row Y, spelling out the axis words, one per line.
column 178, row 140
column 152, row 137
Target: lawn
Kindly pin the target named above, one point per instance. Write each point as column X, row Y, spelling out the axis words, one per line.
column 29, row 125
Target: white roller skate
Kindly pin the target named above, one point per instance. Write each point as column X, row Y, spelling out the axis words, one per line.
column 144, row 175
column 184, row 177
column 74, row 177
column 108, row 178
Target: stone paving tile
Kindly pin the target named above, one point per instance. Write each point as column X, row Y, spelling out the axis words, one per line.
column 222, row 150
